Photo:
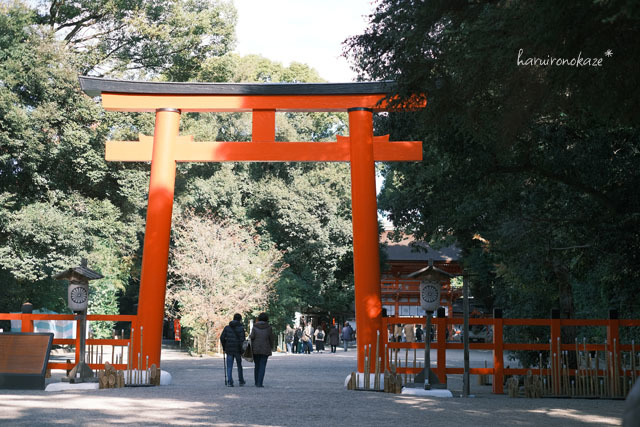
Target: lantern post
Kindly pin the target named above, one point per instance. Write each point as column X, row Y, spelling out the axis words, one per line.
column 430, row 286
column 78, row 301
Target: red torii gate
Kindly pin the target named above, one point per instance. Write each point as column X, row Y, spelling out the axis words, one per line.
column 168, row 100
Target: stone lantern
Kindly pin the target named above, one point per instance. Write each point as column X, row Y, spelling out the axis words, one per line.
column 430, row 284
column 78, row 291
column 78, row 299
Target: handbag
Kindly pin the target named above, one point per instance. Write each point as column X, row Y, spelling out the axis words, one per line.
column 247, row 351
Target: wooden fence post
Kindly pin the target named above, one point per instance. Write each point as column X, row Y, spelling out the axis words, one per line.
column 441, row 367
column 556, row 327
column 498, row 358
column 613, row 341
column 26, row 323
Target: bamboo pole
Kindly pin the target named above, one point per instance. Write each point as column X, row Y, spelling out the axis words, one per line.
column 587, row 361
column 607, row 375
column 560, row 381
column 367, row 378
column 552, row 367
column 616, row 372
column 376, row 382
column 624, row 380
column 406, row 363
column 606, row 364
column 598, row 389
column 550, row 375
column 131, row 365
column 540, row 370
column 633, row 361
column 565, row 377
column 578, row 375
column 414, row 365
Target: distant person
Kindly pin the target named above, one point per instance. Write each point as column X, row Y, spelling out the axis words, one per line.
column 232, row 338
column 419, row 333
column 297, row 343
column 307, row 338
column 262, row 340
column 334, row 338
column 288, row 338
column 409, row 335
column 397, row 332
column 319, row 335
column 347, row 335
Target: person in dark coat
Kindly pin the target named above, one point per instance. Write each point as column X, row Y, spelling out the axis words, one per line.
column 232, row 338
column 296, row 340
column 262, row 339
column 334, row 338
column 347, row 335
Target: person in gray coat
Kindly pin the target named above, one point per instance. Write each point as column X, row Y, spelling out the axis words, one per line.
column 262, row 340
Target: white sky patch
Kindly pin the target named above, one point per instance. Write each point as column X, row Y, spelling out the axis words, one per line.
column 304, row 31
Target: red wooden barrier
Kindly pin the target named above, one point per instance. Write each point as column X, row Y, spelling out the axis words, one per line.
column 27, row 326
column 498, row 346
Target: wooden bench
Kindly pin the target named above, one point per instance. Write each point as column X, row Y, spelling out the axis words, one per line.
column 23, row 360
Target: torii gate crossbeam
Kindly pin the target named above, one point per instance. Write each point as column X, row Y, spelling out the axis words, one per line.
column 169, row 100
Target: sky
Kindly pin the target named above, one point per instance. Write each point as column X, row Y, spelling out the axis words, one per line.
column 307, row 31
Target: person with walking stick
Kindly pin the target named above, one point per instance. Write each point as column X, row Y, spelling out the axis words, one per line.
column 232, row 337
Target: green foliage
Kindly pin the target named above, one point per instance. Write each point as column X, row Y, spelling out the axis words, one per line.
column 532, row 170
column 218, row 268
column 142, row 37
column 59, row 199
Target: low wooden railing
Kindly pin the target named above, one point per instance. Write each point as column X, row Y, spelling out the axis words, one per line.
column 27, row 326
column 611, row 346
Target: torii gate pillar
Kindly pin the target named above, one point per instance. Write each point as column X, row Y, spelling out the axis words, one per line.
column 155, row 252
column 366, row 255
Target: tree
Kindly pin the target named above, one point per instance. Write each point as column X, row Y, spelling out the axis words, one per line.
column 59, row 200
column 218, row 268
column 531, row 169
column 303, row 208
column 142, row 37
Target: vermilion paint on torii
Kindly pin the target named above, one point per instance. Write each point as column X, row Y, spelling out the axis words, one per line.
column 166, row 147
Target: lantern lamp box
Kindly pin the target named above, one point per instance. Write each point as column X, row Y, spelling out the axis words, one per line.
column 23, row 360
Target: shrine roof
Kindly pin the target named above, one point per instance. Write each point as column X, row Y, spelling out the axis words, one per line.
column 409, row 249
column 94, row 86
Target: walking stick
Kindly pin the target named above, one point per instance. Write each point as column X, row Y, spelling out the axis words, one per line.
column 224, row 360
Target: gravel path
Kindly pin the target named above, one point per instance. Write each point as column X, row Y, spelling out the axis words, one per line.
column 299, row 390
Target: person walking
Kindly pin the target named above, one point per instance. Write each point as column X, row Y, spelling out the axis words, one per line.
column 296, row 340
column 419, row 333
column 347, row 335
column 397, row 332
column 262, row 340
column 306, row 340
column 288, row 338
column 232, row 338
column 309, row 330
column 334, row 338
column 319, row 334
column 409, row 335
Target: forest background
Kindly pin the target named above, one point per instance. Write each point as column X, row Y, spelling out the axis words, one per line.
column 532, row 171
